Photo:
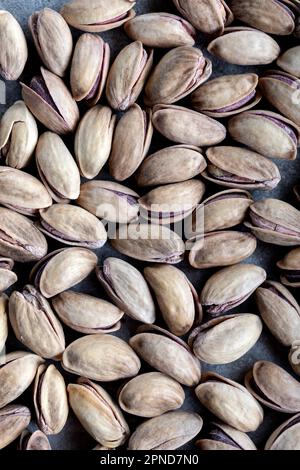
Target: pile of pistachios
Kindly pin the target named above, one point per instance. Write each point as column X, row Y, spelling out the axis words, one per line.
column 86, row 116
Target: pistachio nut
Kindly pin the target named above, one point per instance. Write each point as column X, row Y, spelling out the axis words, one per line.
column 19, row 237
column 50, row 399
column 35, row 441
column 270, row 16
column 89, row 68
column 294, row 356
column 127, row 75
column 161, row 30
column 53, row 39
column 149, row 242
column 7, row 276
column 152, row 394
column 110, row 201
column 184, row 126
column 224, row 437
column 127, row 288
column 257, row 47
column 230, row 402
column 286, row 436
column 230, row 287
column 97, row 15
column 35, row 324
column 209, row 17
column 87, row 314
column 237, row 167
column 179, row 73
column 227, row 95
column 290, row 269
column 289, row 61
column 171, row 202
column 166, row 432
column 98, row 413
column 17, row 371
column 273, row 387
column 282, row 90
column 131, row 142
column 13, row 420
column 280, row 311
column 267, row 133
column 275, row 221
column 167, row 353
column 57, row 168
column 51, row 103
column 171, row 165
column 62, row 269
column 72, row 225
column 18, row 135
column 3, row 321
column 176, row 296
column 14, row 52
column 222, row 248
column 225, row 339
column 101, row 357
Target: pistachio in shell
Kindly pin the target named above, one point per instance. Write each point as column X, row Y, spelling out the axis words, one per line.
column 13, row 420
column 286, row 436
column 14, row 52
column 290, row 268
column 224, row 437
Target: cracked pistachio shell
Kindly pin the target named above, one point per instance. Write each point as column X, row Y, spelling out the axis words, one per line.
column 110, row 201
column 127, row 75
column 294, row 356
column 289, row 61
column 18, row 135
column 97, row 15
column 22, row 242
column 35, row 324
column 171, row 165
column 184, row 126
column 270, row 16
column 100, row 357
column 224, row 437
column 227, row 95
column 171, row 202
column 35, row 441
column 14, row 52
column 127, row 288
column 290, row 269
column 257, row 47
column 50, row 399
column 236, row 167
column 87, row 314
column 166, row 432
column 89, row 68
column 177, row 299
column 57, row 168
column 22, row 192
column 280, row 311
column 62, row 269
column 232, row 247
column 267, row 133
column 17, row 371
column 72, row 225
column 149, row 242
column 286, row 436
column 131, row 142
column 98, row 413
column 230, row 402
column 178, row 74
column 230, row 287
column 275, row 221
column 51, row 103
column 225, row 339
column 273, row 387
column 13, row 420
column 3, row 320
column 53, row 39
column 168, row 354
column 152, row 394
column 93, row 140
column 220, row 211
column 208, row 16
column 161, row 30
column 7, row 276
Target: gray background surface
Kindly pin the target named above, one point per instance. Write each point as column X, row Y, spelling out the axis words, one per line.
column 73, row 436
